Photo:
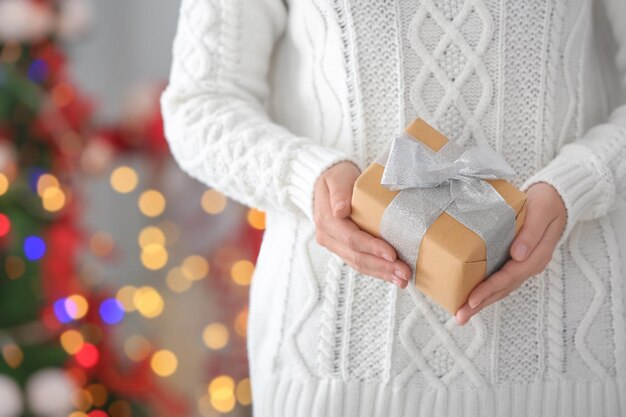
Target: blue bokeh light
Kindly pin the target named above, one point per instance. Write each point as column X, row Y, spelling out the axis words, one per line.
column 38, row 70
column 33, row 177
column 60, row 312
column 34, row 247
column 111, row 311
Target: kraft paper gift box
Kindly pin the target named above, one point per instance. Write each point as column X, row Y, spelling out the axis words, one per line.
column 455, row 227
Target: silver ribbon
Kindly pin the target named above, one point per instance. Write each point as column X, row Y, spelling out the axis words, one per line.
column 450, row 180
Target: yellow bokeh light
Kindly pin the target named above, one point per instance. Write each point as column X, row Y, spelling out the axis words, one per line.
column 101, row 244
column 46, row 181
column 72, row 341
column 53, row 199
column 241, row 272
column 148, row 302
column 99, row 394
column 176, row 280
column 151, row 235
column 82, row 399
column 256, row 219
column 126, row 296
column 195, row 267
column 151, row 203
column 213, row 202
column 154, row 256
column 78, row 414
column 120, row 409
column 4, row 183
column 12, row 355
column 15, row 267
column 124, row 179
column 137, row 348
column 244, row 392
column 215, row 336
column 76, row 306
column 241, row 323
column 221, row 391
column 164, row 363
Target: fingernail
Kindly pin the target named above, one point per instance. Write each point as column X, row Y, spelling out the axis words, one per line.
column 340, row 205
column 397, row 282
column 474, row 303
column 519, row 251
column 399, row 274
column 387, row 257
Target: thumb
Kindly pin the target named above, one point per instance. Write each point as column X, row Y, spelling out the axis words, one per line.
column 340, row 192
column 532, row 231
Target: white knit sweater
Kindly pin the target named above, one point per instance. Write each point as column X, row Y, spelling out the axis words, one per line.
column 266, row 94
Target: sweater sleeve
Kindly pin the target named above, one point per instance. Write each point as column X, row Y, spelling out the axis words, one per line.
column 590, row 172
column 214, row 108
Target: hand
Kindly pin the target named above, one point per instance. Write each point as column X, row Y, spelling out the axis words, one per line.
column 531, row 250
column 338, row 233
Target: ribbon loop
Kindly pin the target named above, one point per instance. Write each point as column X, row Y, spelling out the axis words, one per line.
column 411, row 164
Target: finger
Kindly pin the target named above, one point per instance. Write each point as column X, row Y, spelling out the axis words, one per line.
column 465, row 313
column 537, row 220
column 513, row 273
column 367, row 264
column 498, row 281
column 340, row 194
column 349, row 233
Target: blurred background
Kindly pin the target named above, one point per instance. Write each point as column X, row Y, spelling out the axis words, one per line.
column 123, row 282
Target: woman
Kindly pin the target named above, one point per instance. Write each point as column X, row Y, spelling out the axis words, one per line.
column 281, row 104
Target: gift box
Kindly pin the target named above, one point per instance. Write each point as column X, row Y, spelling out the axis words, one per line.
column 450, row 212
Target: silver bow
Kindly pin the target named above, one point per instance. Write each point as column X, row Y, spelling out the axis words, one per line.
column 411, row 164
column 450, row 180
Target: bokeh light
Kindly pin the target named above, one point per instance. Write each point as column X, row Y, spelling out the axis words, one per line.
column 151, row 235
column 177, row 281
column 151, row 203
column 148, row 302
column 164, row 363
column 82, row 400
column 87, row 356
column 97, row 413
column 256, row 219
column 241, row 323
column 53, row 199
column 124, row 179
column 195, row 267
column 244, row 392
column 5, row 225
column 14, row 266
column 137, row 348
column 101, row 244
column 4, row 183
column 99, row 394
column 215, row 336
column 60, row 311
column 120, row 409
column 62, row 94
column 12, row 355
column 241, row 272
column 76, row 306
column 72, row 341
column 213, row 202
column 46, row 181
column 34, row 248
column 111, row 311
column 221, row 392
column 126, row 296
column 154, row 256
column 78, row 414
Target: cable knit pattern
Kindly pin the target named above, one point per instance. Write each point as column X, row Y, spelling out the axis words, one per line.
column 266, row 95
